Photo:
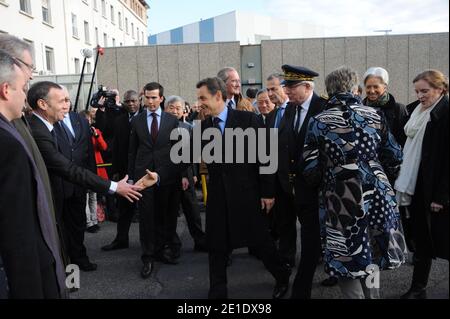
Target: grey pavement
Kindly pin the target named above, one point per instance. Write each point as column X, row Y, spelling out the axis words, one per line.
column 118, row 274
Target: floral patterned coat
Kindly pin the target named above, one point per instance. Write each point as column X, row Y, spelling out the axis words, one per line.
column 348, row 149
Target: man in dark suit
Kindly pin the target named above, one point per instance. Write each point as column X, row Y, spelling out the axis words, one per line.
column 74, row 140
column 48, row 101
column 29, row 248
column 237, row 193
column 119, row 169
column 284, row 217
column 150, row 146
column 23, row 53
column 185, row 192
column 299, row 86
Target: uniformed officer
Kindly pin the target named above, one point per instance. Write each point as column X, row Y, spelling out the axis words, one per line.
column 299, row 86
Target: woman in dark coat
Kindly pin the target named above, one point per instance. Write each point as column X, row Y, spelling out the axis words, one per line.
column 376, row 82
column 422, row 185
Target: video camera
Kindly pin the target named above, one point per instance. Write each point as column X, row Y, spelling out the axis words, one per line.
column 110, row 97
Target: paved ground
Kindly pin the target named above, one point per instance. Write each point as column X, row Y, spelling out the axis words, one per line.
column 118, row 275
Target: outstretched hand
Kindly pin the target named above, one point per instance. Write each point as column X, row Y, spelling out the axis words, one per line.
column 148, row 180
column 267, row 204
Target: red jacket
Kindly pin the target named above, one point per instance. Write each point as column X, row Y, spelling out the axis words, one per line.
column 99, row 146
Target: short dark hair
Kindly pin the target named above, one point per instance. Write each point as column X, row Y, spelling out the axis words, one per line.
column 214, row 85
column 154, row 86
column 251, row 92
column 40, row 91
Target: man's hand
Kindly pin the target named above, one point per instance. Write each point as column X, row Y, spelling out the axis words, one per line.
column 195, row 180
column 435, row 207
column 185, row 183
column 267, row 203
column 130, row 192
column 148, row 180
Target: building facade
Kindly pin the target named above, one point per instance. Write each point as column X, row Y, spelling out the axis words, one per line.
column 247, row 28
column 59, row 30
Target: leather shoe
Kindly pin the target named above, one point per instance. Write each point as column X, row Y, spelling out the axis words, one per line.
column 329, row 282
column 200, row 246
column 114, row 246
column 87, row 266
column 147, row 269
column 280, row 290
column 415, row 294
column 167, row 257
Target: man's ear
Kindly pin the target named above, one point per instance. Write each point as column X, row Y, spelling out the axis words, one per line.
column 42, row 104
column 4, row 90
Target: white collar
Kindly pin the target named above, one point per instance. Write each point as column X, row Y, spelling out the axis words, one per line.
column 158, row 112
column 47, row 123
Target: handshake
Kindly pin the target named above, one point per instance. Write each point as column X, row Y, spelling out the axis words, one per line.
column 131, row 192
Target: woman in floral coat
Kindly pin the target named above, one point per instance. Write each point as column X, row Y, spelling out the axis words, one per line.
column 348, row 151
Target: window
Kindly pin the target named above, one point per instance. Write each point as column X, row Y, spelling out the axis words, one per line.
column 87, row 37
column 138, row 35
column 132, row 30
column 88, row 67
column 126, row 25
column 104, row 8
column 143, row 39
column 77, row 65
column 105, row 40
column 95, row 5
column 114, row 42
column 46, row 17
column 31, row 43
column 120, row 20
column 49, row 59
column 25, row 6
column 96, row 36
column 74, row 26
column 112, row 15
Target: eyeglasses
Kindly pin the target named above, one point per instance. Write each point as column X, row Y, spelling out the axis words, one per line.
column 30, row 66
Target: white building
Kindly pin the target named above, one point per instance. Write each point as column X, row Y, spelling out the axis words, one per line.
column 247, row 28
column 59, row 29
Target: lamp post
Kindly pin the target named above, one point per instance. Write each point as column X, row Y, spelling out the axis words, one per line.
column 100, row 51
column 87, row 54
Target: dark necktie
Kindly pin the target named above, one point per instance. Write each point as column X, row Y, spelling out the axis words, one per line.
column 154, row 128
column 69, row 135
column 278, row 118
column 231, row 104
column 55, row 139
column 297, row 123
column 216, row 122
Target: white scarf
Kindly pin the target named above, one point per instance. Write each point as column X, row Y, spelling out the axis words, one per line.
column 412, row 153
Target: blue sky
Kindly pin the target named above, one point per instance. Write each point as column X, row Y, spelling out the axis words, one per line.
column 348, row 17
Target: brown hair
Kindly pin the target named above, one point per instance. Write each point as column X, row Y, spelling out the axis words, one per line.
column 436, row 79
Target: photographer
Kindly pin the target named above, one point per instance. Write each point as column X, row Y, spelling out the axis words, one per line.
column 109, row 108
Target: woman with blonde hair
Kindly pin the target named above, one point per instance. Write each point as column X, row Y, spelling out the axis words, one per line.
column 422, row 186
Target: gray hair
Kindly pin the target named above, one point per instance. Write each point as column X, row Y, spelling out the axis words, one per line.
column 311, row 84
column 7, row 70
column 129, row 94
column 14, row 46
column 261, row 92
column 377, row 72
column 223, row 74
column 174, row 99
column 341, row 80
column 274, row 76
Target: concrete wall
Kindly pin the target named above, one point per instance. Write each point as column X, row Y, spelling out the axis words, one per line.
column 176, row 67
column 403, row 56
column 179, row 67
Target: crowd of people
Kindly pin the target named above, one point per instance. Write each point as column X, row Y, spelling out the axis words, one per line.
column 366, row 178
